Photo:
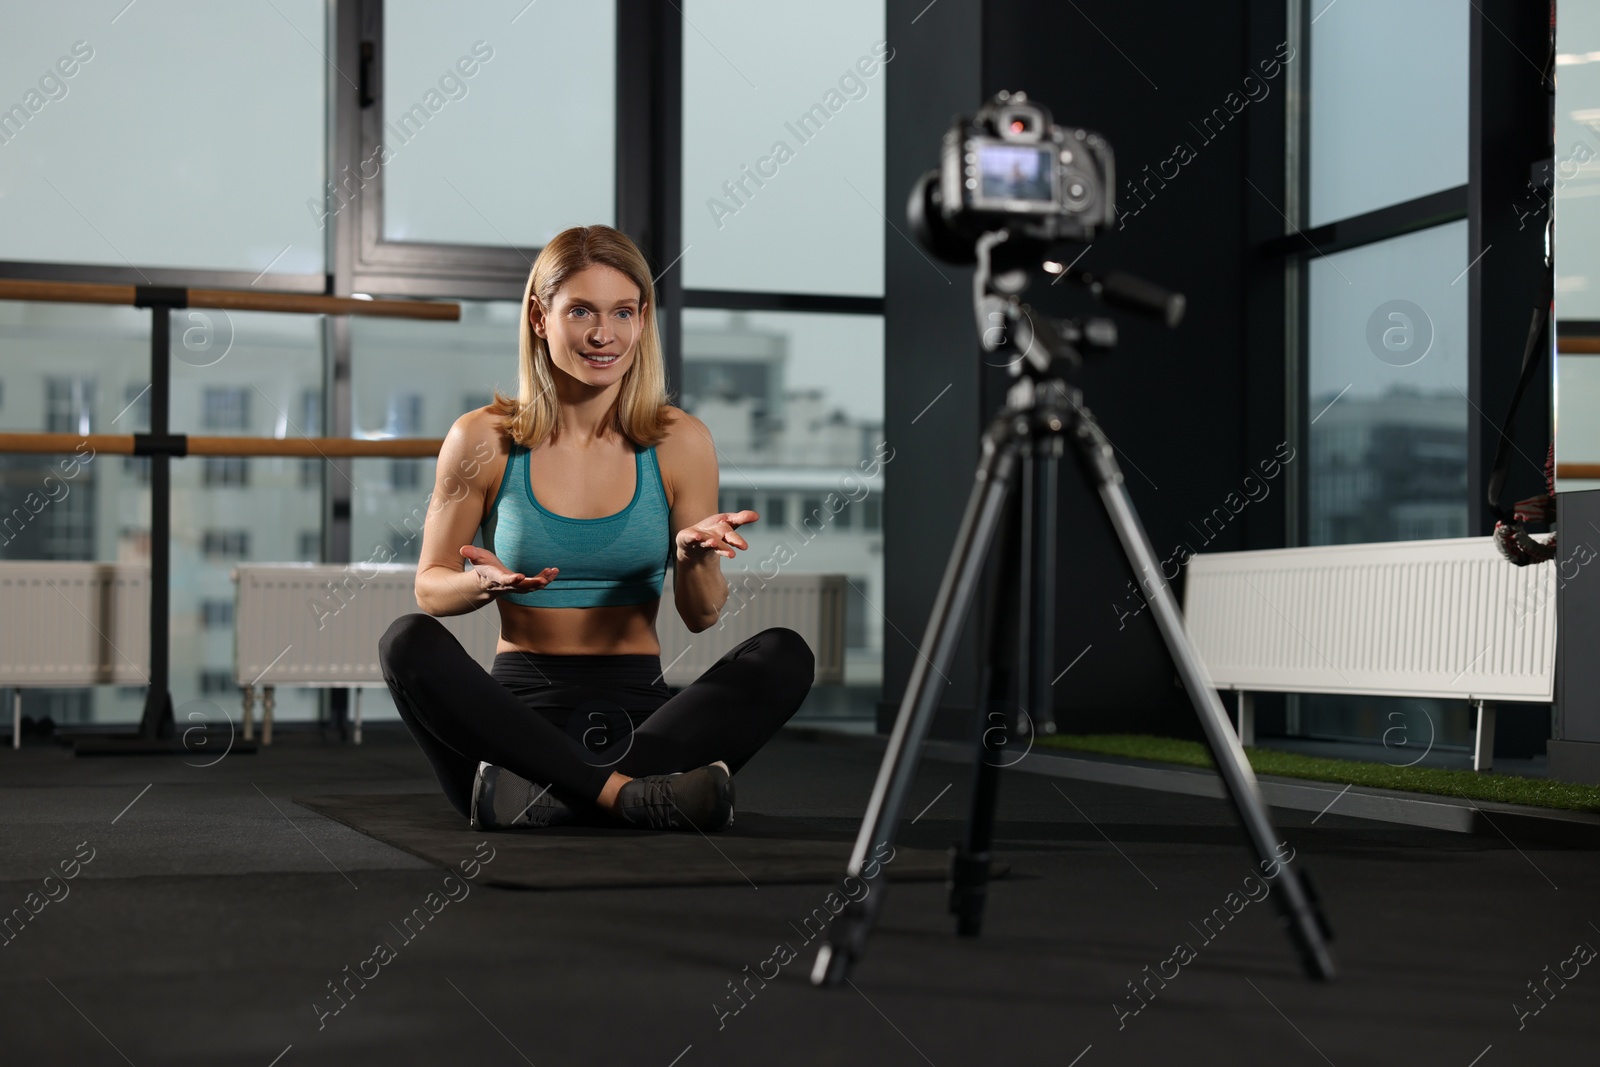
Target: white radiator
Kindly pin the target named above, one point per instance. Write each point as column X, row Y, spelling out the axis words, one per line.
column 71, row 624
column 305, row 624
column 318, row 625
column 1446, row 618
column 812, row 605
column 313, row 624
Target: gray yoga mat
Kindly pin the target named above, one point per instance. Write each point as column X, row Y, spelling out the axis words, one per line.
column 756, row 850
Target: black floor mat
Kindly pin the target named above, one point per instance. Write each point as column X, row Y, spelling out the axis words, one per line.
column 756, row 850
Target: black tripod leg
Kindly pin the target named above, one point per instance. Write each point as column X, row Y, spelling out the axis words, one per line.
column 1041, row 587
column 1306, row 924
column 997, row 726
column 969, row 861
column 985, row 507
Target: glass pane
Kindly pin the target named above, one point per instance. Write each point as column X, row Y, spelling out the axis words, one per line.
column 1398, row 731
column 227, row 511
column 414, row 379
column 1577, row 401
column 85, row 369
column 1577, row 165
column 243, row 374
column 783, row 140
column 1388, row 110
column 795, row 405
column 499, row 121
column 1387, row 392
column 147, row 139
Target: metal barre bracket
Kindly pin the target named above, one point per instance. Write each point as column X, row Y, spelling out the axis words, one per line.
column 166, row 444
column 146, row 296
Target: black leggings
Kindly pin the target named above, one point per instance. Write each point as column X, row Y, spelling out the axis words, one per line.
column 568, row 722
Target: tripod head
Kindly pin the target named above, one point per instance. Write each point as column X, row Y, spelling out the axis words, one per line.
column 1042, row 346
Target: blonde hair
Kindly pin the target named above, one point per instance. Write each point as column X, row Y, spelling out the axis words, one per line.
column 641, row 412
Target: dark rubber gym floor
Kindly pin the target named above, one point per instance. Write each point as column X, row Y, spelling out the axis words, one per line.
column 214, row 913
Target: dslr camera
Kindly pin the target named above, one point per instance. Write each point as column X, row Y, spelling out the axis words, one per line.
column 1011, row 167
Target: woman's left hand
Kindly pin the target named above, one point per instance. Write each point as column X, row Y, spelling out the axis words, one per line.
column 714, row 534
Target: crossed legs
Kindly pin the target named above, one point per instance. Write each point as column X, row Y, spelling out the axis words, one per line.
column 460, row 715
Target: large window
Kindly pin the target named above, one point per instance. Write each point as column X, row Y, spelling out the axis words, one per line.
column 414, row 380
column 795, row 405
column 1577, row 212
column 1384, row 410
column 498, row 123
column 81, row 369
column 782, row 208
column 1388, row 380
column 167, row 135
column 378, row 148
column 1388, row 103
column 783, row 167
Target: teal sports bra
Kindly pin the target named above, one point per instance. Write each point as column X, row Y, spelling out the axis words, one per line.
column 616, row 559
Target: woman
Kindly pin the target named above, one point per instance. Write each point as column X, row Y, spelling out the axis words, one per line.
column 582, row 486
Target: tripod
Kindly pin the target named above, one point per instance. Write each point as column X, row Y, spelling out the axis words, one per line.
column 1024, row 443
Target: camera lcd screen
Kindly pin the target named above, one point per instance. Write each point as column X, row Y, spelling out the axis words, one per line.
column 1016, row 172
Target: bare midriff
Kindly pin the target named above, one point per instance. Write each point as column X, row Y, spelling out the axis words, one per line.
column 618, row 630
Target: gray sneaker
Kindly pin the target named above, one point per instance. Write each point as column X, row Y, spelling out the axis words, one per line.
column 503, row 801
column 701, row 799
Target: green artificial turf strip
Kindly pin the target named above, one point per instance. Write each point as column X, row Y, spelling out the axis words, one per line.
column 1470, row 785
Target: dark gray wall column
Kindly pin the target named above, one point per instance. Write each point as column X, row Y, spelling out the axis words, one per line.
column 1575, row 751
column 933, row 411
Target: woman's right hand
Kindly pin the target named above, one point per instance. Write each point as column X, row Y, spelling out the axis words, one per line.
column 495, row 577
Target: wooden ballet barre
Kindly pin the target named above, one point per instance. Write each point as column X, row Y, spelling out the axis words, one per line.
column 1578, row 346
column 113, row 443
column 309, row 304
column 65, row 292
column 388, row 448
column 330, row 447
column 233, row 300
column 325, row 447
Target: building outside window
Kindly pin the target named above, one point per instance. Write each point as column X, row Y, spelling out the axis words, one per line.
column 225, row 544
column 216, row 614
column 225, row 408
column 405, row 474
column 311, row 412
column 68, row 405
column 225, row 472
column 135, row 416
column 216, row 682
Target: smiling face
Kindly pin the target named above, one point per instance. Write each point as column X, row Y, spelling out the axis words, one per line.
column 593, row 325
